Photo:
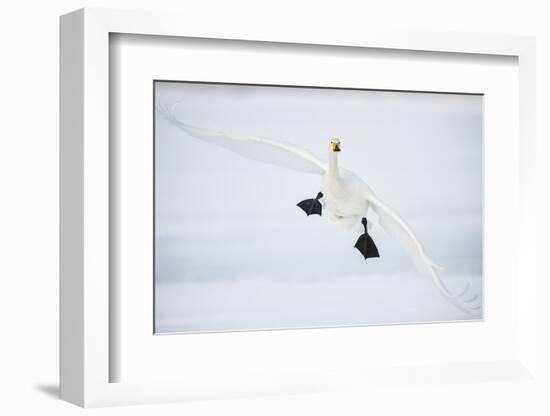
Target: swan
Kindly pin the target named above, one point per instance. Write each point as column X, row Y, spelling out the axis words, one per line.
column 344, row 197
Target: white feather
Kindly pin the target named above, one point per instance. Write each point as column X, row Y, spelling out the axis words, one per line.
column 261, row 149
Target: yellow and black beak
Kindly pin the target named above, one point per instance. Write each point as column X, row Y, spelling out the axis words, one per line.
column 335, row 146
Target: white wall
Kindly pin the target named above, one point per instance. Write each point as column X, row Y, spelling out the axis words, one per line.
column 28, row 213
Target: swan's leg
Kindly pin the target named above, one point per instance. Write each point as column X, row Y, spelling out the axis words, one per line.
column 312, row 206
column 365, row 244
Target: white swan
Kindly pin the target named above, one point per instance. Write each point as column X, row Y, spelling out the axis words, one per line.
column 345, row 197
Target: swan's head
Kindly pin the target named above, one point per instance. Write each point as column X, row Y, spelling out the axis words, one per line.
column 335, row 145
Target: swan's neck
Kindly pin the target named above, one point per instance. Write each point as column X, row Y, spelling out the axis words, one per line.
column 333, row 171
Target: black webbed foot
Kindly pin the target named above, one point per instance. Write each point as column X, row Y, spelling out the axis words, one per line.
column 312, row 206
column 365, row 244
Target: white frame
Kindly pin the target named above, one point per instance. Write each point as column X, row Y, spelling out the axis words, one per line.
column 85, row 193
column 137, row 60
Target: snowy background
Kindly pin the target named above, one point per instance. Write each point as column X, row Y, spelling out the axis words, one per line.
column 233, row 252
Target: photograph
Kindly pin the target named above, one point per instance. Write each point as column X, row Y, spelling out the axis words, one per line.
column 294, row 207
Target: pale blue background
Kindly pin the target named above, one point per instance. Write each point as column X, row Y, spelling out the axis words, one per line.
column 234, row 252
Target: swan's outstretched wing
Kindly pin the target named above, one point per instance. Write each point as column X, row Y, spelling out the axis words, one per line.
column 394, row 225
column 256, row 148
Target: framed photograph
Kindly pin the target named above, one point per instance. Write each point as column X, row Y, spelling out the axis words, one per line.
column 235, row 247
column 262, row 213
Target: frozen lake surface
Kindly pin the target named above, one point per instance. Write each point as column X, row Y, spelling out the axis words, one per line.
column 271, row 303
column 298, row 275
